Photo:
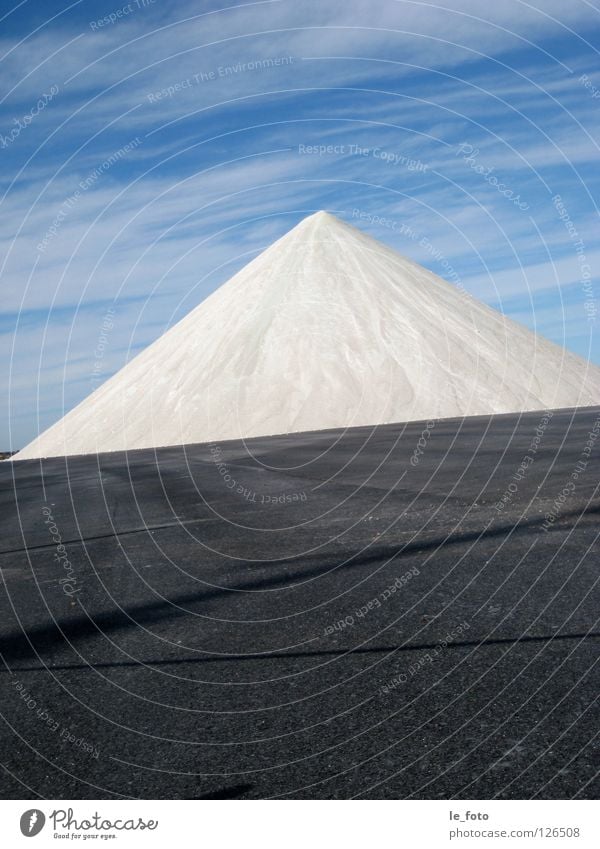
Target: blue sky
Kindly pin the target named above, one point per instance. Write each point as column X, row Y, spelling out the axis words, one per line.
column 151, row 149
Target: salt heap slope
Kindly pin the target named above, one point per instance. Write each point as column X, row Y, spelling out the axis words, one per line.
column 327, row 328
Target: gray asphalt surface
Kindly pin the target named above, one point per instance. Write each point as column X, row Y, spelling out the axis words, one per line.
column 325, row 615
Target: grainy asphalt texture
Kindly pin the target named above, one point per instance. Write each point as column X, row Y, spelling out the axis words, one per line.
column 325, row 615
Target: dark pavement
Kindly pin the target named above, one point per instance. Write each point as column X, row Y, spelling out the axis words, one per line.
column 322, row 615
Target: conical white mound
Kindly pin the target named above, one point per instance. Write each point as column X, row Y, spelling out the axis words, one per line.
column 327, row 328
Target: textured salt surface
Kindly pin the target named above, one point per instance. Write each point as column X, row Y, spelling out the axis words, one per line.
column 326, row 328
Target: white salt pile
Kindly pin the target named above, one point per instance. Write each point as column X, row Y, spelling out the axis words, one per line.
column 327, row 328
